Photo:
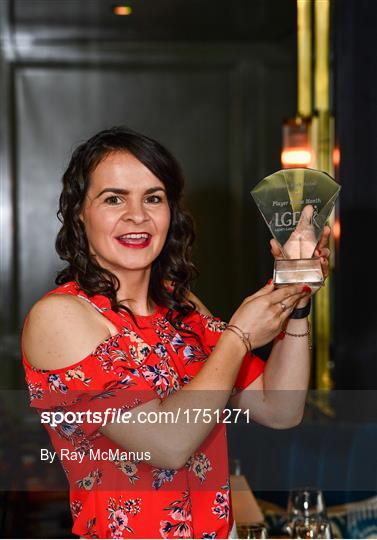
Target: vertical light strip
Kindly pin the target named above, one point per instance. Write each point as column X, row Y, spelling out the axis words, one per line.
column 304, row 57
column 322, row 44
column 321, row 132
column 304, row 70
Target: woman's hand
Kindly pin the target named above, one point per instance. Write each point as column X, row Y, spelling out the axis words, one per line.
column 263, row 315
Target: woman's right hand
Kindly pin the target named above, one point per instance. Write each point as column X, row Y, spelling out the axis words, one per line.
column 263, row 314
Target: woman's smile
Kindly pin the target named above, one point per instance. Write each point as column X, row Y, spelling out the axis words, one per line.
column 135, row 240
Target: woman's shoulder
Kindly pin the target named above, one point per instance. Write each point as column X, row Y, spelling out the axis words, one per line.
column 61, row 329
column 57, row 304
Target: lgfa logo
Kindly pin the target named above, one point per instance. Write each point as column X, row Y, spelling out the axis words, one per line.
column 290, row 219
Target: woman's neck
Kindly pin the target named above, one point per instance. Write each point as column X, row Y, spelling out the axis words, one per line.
column 133, row 291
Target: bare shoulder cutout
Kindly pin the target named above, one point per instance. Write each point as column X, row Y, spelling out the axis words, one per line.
column 61, row 330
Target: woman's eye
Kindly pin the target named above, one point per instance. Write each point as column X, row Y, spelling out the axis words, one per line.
column 154, row 199
column 113, row 199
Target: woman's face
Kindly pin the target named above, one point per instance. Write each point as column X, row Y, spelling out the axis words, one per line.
column 126, row 214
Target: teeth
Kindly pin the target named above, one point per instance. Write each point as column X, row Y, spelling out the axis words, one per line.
column 133, row 235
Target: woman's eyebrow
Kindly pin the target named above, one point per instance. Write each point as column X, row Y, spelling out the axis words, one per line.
column 120, row 191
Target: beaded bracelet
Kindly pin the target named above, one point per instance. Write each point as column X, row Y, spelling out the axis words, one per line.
column 307, row 333
column 244, row 337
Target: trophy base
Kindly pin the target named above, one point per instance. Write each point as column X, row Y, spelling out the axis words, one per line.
column 291, row 271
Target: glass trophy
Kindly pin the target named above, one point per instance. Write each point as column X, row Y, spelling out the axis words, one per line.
column 295, row 204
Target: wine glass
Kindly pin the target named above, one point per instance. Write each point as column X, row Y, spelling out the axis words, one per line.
column 251, row 530
column 306, row 502
column 311, row 527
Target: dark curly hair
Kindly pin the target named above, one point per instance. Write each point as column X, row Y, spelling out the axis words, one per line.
column 173, row 263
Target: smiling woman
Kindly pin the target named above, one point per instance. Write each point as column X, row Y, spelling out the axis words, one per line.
column 127, row 222
column 121, row 333
column 125, row 183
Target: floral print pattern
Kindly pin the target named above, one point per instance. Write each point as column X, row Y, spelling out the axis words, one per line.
column 93, row 478
column 180, row 518
column 163, row 378
column 78, row 374
column 160, row 476
column 122, row 498
column 76, row 507
column 119, row 515
column 90, row 530
column 221, row 505
column 214, row 325
column 129, row 468
column 200, row 465
column 193, row 353
column 35, row 391
column 55, row 384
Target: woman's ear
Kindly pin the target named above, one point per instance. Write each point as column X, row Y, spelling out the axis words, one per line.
column 82, row 215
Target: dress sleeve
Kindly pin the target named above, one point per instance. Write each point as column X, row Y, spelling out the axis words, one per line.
column 252, row 366
column 79, row 396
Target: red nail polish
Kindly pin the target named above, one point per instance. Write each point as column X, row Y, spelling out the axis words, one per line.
column 269, row 281
column 306, row 288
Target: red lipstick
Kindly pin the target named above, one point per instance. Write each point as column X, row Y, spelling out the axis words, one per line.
column 135, row 240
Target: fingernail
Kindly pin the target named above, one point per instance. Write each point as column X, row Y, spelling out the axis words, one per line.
column 281, row 335
column 269, row 281
column 306, row 288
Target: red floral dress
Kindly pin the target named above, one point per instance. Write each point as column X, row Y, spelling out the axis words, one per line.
column 115, row 497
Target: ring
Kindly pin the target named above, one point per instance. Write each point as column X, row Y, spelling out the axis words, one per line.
column 283, row 306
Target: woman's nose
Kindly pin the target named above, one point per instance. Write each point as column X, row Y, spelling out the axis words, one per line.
column 135, row 211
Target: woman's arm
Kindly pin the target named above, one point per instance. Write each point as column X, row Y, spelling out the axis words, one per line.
column 61, row 330
column 277, row 397
column 57, row 336
column 172, row 442
column 211, row 387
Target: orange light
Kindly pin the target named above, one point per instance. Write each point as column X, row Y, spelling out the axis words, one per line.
column 122, row 10
column 296, row 151
column 336, row 156
column 336, row 230
column 296, row 157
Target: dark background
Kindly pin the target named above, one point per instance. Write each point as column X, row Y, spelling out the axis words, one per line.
column 213, row 81
column 355, row 107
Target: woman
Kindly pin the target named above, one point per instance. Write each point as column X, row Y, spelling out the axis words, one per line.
column 121, row 333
